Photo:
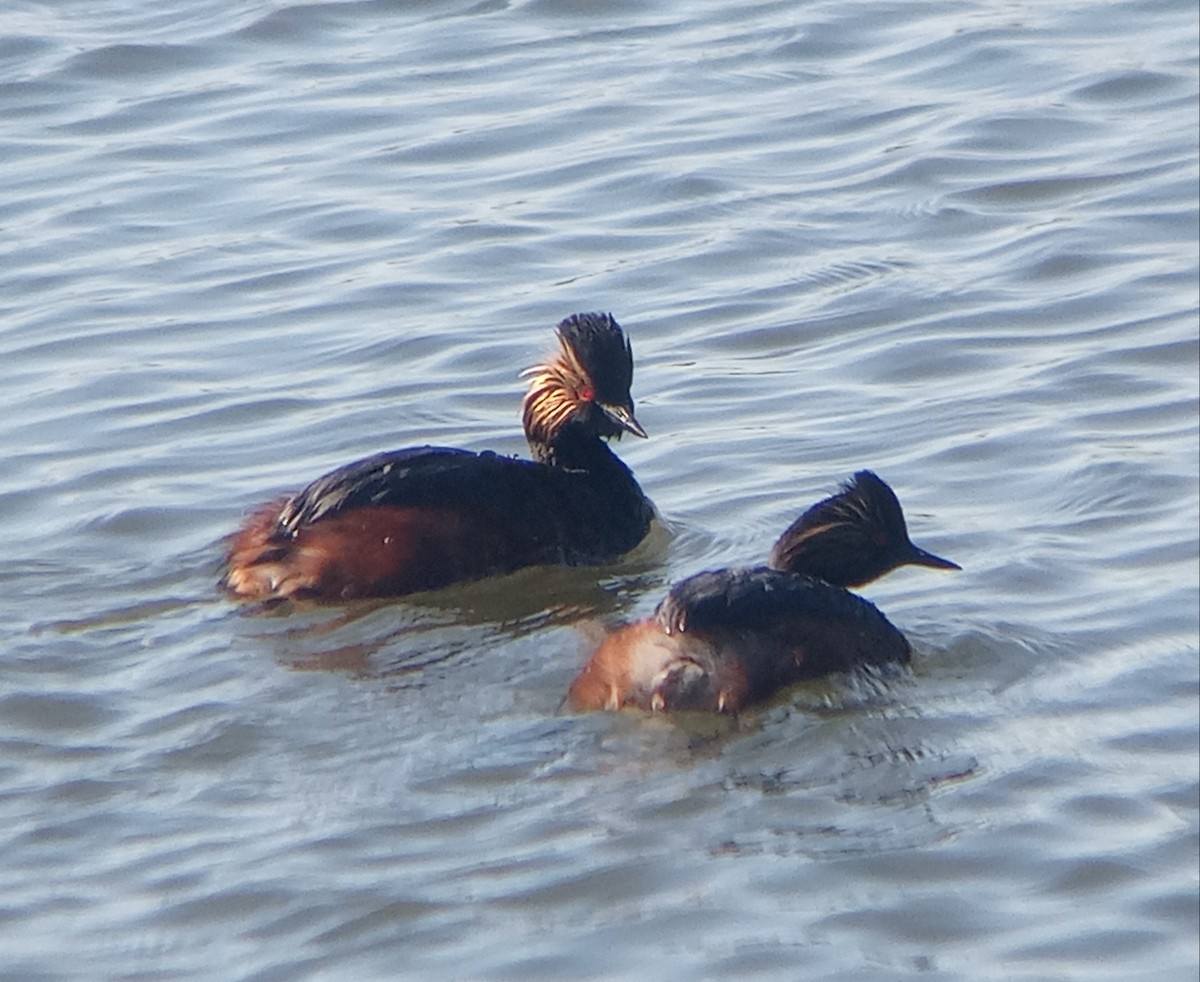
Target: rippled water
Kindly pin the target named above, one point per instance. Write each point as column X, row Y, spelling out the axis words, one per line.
column 243, row 243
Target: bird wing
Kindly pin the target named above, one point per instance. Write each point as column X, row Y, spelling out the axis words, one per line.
column 418, row 476
column 758, row 598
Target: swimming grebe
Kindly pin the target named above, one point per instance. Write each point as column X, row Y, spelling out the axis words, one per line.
column 727, row 638
column 425, row 517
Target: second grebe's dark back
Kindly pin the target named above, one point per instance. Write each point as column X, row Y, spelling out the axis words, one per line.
column 724, row 639
column 425, row 517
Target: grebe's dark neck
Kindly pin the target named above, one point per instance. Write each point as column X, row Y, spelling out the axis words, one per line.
column 573, row 444
column 596, row 488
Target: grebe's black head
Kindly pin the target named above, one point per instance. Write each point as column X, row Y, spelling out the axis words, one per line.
column 587, row 382
column 852, row 537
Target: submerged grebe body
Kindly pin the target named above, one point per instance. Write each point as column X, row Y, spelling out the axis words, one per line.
column 725, row 639
column 422, row 518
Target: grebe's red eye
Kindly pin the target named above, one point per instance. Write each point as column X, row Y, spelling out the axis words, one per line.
column 587, row 393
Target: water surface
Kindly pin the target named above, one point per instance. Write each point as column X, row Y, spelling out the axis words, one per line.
column 955, row 243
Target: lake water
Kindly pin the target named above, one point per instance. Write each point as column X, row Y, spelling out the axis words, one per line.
column 953, row 242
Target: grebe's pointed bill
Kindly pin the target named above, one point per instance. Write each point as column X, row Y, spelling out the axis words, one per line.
column 624, row 418
column 919, row 557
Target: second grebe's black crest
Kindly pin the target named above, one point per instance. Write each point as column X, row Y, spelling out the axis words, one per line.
column 588, row 381
column 852, row 537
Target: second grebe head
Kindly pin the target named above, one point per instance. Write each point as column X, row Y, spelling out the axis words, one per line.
column 852, row 537
column 586, row 382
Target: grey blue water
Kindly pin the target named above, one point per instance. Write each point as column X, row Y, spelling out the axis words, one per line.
column 956, row 243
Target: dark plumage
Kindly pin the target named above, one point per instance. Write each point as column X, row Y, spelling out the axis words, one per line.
column 724, row 639
column 424, row 517
column 851, row 537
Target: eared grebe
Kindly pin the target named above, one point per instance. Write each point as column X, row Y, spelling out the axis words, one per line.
column 425, row 517
column 724, row 639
